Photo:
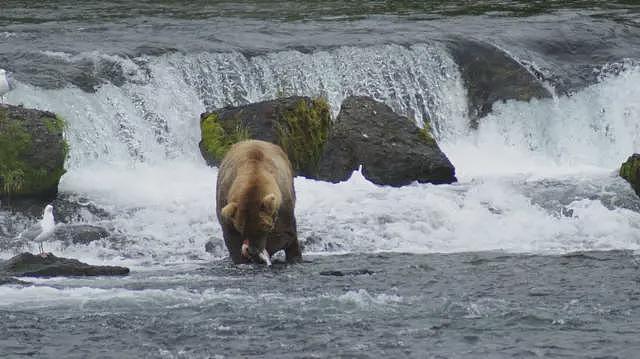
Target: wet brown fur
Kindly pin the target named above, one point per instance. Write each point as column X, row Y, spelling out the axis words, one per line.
column 255, row 200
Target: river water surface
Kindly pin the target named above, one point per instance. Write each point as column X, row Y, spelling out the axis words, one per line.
column 533, row 253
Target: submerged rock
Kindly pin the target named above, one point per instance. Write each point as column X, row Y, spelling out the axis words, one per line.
column 630, row 171
column 29, row 265
column 491, row 75
column 342, row 273
column 32, row 153
column 391, row 148
column 12, row 281
column 214, row 247
column 79, row 233
column 300, row 125
column 68, row 208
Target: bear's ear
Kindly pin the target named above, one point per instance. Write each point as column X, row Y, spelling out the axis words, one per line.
column 269, row 204
column 229, row 211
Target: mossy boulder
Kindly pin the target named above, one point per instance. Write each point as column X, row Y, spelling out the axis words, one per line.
column 630, row 171
column 491, row 75
column 391, row 148
column 32, row 152
column 300, row 125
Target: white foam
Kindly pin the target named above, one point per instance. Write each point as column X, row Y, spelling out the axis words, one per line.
column 364, row 300
column 593, row 130
column 7, row 34
column 484, row 215
column 84, row 297
column 67, row 293
column 155, row 115
column 134, row 153
column 166, row 215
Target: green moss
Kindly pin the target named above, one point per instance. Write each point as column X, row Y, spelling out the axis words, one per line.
column 217, row 139
column 426, row 132
column 14, row 140
column 303, row 131
column 65, row 148
column 41, row 180
column 17, row 177
column 12, row 181
column 630, row 171
column 281, row 92
column 55, row 125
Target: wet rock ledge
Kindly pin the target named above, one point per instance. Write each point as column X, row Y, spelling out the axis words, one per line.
column 391, row 148
column 492, row 75
column 29, row 265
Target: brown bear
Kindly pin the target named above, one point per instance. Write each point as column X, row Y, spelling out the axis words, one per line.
column 255, row 202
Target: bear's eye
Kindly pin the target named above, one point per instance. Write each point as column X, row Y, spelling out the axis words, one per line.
column 267, row 222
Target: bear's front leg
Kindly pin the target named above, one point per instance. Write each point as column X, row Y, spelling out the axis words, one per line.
column 233, row 241
column 288, row 230
column 293, row 252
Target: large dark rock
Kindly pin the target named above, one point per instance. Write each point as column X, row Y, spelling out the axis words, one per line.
column 29, row 265
column 392, row 149
column 28, row 207
column 69, row 208
column 299, row 125
column 32, row 152
column 491, row 75
column 79, row 233
column 630, row 171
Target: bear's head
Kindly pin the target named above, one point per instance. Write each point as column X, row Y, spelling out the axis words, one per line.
column 254, row 217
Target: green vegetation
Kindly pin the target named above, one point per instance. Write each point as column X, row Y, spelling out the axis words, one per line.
column 12, row 181
column 426, row 132
column 14, row 141
column 218, row 138
column 55, row 125
column 630, row 171
column 17, row 175
column 281, row 92
column 303, row 131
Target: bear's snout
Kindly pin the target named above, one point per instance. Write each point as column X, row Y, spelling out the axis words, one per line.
column 249, row 251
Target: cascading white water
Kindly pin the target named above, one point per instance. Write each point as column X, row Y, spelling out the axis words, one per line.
column 134, row 153
column 155, row 117
column 420, row 81
column 597, row 128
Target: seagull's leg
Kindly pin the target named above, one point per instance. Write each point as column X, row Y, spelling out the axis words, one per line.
column 42, row 253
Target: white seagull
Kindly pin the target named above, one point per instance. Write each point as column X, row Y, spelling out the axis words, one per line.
column 6, row 83
column 42, row 230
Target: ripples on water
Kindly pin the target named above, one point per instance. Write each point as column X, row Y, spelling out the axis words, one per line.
column 460, row 305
